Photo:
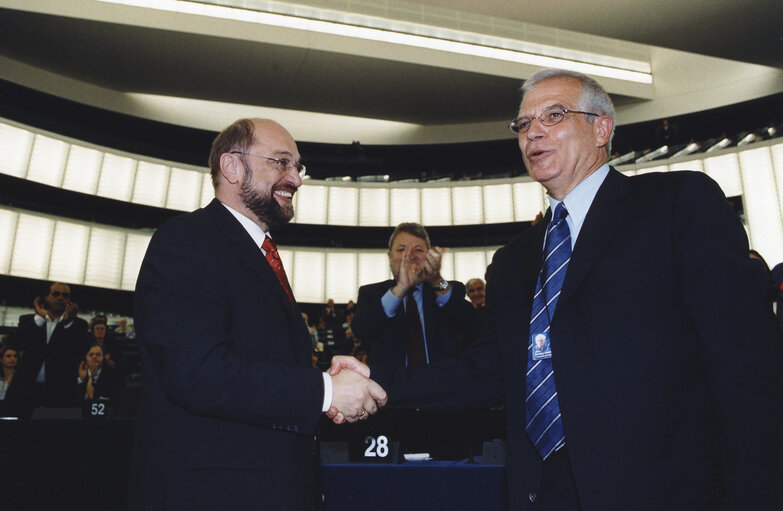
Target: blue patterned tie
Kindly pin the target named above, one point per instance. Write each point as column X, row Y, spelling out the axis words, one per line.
column 542, row 412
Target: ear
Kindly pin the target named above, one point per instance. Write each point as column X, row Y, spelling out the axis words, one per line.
column 603, row 130
column 230, row 168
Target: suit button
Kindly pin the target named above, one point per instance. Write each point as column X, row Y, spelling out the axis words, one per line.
column 532, row 496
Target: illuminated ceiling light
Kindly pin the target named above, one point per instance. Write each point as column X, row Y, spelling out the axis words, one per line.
column 434, row 38
column 688, row 149
column 747, row 139
column 623, row 159
column 718, row 146
column 661, row 151
column 383, row 178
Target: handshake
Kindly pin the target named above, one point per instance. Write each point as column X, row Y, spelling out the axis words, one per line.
column 354, row 395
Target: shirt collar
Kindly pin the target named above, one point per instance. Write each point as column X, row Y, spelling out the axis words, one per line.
column 252, row 228
column 578, row 200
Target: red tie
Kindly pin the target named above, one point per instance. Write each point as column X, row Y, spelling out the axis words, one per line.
column 273, row 257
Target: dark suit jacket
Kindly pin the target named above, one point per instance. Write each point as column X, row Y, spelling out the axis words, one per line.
column 448, row 329
column 62, row 355
column 229, row 403
column 667, row 361
column 106, row 386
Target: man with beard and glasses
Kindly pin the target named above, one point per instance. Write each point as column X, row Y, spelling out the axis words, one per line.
column 230, row 401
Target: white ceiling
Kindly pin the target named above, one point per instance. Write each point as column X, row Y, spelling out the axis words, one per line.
column 200, row 71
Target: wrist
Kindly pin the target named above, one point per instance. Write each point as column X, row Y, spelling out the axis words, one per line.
column 399, row 290
column 440, row 284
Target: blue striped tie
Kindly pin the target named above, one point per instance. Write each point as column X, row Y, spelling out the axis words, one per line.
column 542, row 412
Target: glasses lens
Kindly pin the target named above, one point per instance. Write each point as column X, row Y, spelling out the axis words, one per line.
column 552, row 117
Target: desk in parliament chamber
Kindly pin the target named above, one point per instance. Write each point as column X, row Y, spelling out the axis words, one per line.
column 73, row 463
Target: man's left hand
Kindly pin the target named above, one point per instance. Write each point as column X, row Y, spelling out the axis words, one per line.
column 71, row 310
column 432, row 266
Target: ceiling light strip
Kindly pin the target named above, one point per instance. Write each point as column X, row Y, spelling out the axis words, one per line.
column 375, row 34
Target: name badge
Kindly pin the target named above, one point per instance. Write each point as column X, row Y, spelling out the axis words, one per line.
column 541, row 347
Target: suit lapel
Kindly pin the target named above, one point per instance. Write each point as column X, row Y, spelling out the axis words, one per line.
column 515, row 278
column 603, row 218
column 242, row 246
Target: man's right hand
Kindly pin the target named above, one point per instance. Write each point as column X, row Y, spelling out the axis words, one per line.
column 409, row 274
column 40, row 308
column 354, row 395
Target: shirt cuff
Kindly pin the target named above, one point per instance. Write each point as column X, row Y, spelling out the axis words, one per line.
column 327, row 392
column 445, row 297
column 390, row 303
column 40, row 321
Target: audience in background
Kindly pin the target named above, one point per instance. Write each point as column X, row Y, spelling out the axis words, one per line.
column 475, row 290
column 95, row 378
column 313, row 331
column 350, row 311
column 103, row 364
column 123, row 331
column 51, row 342
column 112, row 347
column 9, row 359
column 418, row 317
column 331, row 327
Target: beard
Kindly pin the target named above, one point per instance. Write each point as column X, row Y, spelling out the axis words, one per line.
column 265, row 207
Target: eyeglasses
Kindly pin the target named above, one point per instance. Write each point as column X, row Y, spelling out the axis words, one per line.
column 57, row 294
column 550, row 117
column 283, row 164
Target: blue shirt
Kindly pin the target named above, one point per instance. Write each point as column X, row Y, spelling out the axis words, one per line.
column 579, row 200
column 391, row 303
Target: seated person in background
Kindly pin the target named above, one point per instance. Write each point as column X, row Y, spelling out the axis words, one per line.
column 475, row 290
column 51, row 342
column 418, row 317
column 112, row 348
column 95, row 379
column 352, row 343
column 357, row 349
column 9, row 359
column 331, row 322
column 313, row 331
column 350, row 311
column 122, row 330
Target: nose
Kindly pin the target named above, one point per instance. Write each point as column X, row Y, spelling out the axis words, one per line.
column 536, row 129
column 297, row 178
column 292, row 176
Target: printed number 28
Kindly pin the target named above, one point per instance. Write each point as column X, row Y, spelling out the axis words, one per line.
column 378, row 447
